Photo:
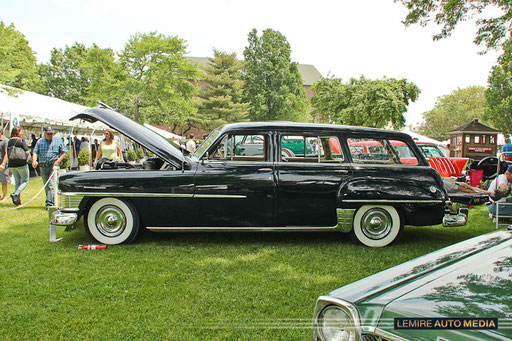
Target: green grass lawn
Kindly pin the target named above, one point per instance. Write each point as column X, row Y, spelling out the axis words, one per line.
column 183, row 286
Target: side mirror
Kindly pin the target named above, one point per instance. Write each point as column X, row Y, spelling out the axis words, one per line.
column 204, row 159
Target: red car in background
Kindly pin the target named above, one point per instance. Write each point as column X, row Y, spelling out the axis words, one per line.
column 446, row 166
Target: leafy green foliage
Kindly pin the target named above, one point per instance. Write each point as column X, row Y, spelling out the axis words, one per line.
column 273, row 84
column 364, row 102
column 221, row 100
column 499, row 92
column 158, row 85
column 131, row 155
column 83, row 75
column 454, row 110
column 84, row 157
column 493, row 28
column 64, row 163
column 17, row 60
column 139, row 153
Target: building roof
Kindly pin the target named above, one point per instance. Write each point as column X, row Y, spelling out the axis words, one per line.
column 473, row 127
column 309, row 73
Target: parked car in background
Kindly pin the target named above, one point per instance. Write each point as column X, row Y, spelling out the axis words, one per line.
column 330, row 187
column 470, row 279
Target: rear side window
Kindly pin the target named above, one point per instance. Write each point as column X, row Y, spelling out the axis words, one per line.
column 380, row 151
column 311, row 149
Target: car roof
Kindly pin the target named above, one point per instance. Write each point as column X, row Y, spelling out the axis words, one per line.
column 299, row 126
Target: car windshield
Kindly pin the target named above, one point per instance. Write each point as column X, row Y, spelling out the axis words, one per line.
column 207, row 143
column 431, row 151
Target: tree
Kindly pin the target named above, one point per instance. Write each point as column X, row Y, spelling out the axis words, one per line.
column 221, row 100
column 453, row 110
column 499, row 92
column 363, row 102
column 273, row 84
column 64, row 76
column 158, row 83
column 82, row 75
column 492, row 31
column 17, row 60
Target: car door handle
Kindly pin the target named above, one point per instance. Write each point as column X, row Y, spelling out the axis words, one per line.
column 265, row 170
column 343, row 171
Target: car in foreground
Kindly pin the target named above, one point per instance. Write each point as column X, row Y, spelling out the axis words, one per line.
column 328, row 188
column 465, row 282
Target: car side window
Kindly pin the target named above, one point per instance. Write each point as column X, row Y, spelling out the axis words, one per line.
column 381, row 151
column 311, row 149
column 242, row 148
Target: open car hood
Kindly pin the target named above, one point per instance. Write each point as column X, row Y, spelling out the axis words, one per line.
column 140, row 134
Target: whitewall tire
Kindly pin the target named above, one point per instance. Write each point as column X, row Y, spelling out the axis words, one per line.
column 112, row 221
column 376, row 225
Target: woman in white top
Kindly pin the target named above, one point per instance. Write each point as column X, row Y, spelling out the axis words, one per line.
column 109, row 149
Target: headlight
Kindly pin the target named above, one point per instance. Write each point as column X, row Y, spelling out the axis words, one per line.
column 336, row 320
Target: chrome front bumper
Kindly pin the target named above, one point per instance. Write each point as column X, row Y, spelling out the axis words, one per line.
column 58, row 218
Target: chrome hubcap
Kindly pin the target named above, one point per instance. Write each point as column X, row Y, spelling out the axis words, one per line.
column 376, row 223
column 110, row 221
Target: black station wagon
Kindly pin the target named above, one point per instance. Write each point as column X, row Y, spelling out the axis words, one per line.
column 328, row 186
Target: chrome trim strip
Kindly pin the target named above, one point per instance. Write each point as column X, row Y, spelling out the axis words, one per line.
column 224, row 196
column 394, row 201
column 151, row 195
column 388, row 336
column 345, row 218
column 239, row 228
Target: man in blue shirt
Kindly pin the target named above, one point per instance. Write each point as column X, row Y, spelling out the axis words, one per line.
column 507, row 150
column 48, row 152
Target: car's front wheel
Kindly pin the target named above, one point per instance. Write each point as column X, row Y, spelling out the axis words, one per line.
column 377, row 225
column 112, row 221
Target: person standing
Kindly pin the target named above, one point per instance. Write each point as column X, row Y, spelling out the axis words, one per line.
column 191, row 144
column 48, row 152
column 16, row 158
column 109, row 149
column 4, row 172
column 507, row 150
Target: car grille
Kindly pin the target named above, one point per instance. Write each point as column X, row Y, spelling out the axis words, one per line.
column 69, row 202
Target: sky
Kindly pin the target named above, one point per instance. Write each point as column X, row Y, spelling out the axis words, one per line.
column 340, row 38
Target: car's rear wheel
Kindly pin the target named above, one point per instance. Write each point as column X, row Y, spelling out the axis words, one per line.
column 287, row 153
column 112, row 221
column 377, row 225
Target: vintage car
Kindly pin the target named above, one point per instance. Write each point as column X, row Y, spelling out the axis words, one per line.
column 216, row 189
column 465, row 282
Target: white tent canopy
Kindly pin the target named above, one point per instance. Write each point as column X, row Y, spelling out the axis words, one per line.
column 32, row 111
column 420, row 138
column 164, row 133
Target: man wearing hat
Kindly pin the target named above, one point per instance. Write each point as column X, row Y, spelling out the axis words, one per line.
column 48, row 152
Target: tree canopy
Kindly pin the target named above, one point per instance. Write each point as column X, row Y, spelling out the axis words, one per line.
column 364, row 102
column 494, row 17
column 273, row 84
column 499, row 92
column 454, row 110
column 159, row 79
column 221, row 101
column 17, row 59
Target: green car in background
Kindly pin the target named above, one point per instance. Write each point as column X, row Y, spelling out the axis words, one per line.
column 470, row 280
column 292, row 146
